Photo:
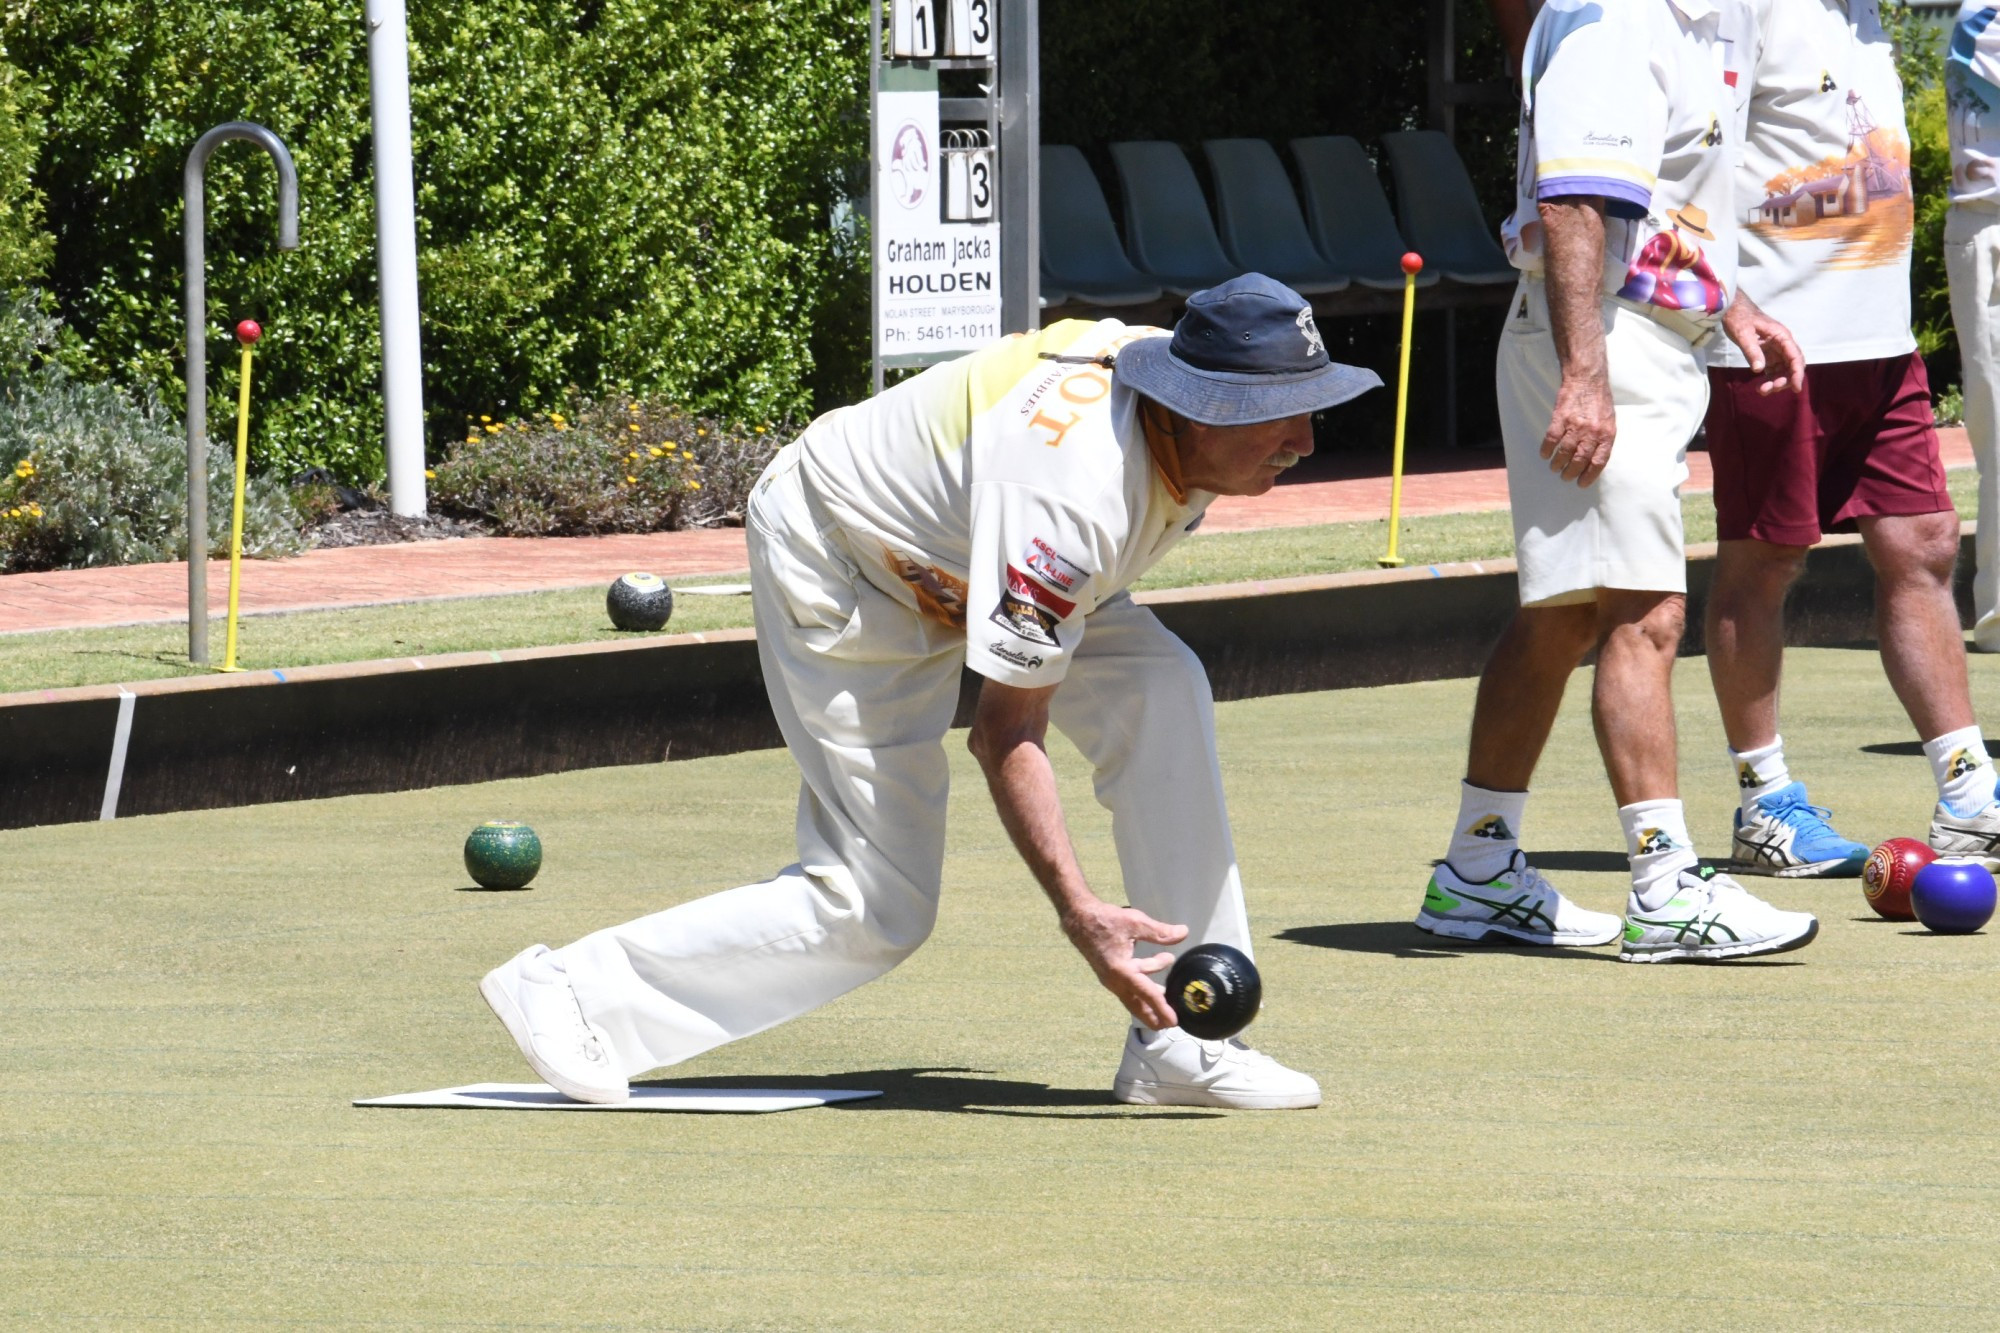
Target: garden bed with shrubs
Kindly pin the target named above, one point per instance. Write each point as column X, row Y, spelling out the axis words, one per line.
column 95, row 474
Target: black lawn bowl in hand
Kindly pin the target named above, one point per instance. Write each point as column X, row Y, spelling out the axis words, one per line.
column 501, row 854
column 639, row 602
column 1215, row 991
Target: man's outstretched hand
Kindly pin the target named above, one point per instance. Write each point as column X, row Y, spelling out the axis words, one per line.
column 1767, row 346
column 1104, row 935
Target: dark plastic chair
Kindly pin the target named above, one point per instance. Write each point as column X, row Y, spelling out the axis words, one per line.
column 1440, row 212
column 1081, row 257
column 1262, row 228
column 1347, row 214
column 1167, row 228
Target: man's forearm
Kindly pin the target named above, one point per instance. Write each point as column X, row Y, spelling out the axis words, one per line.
column 1573, row 266
column 1023, row 783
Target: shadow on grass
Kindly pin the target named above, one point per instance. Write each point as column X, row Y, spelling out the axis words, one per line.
column 966, row 1091
column 1400, row 939
column 1894, row 747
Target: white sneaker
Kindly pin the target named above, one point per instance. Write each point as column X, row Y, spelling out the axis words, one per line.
column 1517, row 903
column 1170, row 1068
column 1710, row 918
column 1967, row 835
column 540, row 1011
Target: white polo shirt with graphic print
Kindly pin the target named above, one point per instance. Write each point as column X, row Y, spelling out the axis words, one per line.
column 1823, row 190
column 1972, row 94
column 1634, row 101
column 1007, row 493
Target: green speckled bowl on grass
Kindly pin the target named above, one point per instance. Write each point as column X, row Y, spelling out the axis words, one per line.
column 501, row 854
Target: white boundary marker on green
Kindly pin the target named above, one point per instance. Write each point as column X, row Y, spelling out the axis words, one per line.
column 542, row 1097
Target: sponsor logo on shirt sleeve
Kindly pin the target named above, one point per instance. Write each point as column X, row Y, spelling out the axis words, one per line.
column 1026, row 661
column 1025, row 619
column 1053, row 568
column 1029, row 610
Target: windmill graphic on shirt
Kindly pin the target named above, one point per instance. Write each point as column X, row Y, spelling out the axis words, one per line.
column 1857, row 201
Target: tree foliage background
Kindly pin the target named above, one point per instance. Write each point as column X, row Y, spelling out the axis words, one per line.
column 617, row 195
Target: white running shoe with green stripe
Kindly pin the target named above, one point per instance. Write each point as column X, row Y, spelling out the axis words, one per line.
column 1711, row 919
column 1517, row 904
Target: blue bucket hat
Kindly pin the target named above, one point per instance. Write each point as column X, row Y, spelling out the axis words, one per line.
column 1244, row 352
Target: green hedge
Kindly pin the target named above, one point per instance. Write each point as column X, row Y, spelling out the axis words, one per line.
column 24, row 247
column 615, row 195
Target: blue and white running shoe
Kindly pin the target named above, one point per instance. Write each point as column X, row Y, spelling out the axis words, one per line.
column 1789, row 837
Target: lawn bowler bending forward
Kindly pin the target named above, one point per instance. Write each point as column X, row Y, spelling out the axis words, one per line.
column 1625, row 233
column 989, row 512
column 1829, row 255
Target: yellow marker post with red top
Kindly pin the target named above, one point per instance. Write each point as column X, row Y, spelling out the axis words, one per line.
column 247, row 333
column 1413, row 264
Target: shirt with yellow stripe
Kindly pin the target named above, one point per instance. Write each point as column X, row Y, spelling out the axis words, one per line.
column 1637, row 102
column 1009, row 493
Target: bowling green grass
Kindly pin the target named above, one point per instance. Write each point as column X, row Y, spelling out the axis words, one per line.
column 56, row 658
column 1511, row 1138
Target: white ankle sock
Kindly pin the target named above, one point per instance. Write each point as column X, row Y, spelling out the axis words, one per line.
column 1488, row 832
column 1963, row 770
column 1760, row 772
column 1656, row 838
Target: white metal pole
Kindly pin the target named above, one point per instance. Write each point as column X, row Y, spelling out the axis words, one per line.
column 396, row 250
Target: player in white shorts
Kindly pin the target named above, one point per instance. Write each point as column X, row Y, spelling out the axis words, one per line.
column 1625, row 237
column 989, row 513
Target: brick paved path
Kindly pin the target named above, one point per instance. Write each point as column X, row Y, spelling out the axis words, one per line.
column 355, row 576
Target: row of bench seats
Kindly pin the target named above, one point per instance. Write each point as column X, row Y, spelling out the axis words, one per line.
column 1346, row 234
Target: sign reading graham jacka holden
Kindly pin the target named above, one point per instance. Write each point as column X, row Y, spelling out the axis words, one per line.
column 937, row 283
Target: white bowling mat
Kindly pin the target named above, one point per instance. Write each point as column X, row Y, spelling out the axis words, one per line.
column 715, row 590
column 542, row 1097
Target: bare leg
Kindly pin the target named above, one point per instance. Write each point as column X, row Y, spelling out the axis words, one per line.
column 1916, row 620
column 1632, row 704
column 1746, row 636
column 1521, row 689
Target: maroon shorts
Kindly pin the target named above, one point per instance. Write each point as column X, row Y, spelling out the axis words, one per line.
column 1858, row 443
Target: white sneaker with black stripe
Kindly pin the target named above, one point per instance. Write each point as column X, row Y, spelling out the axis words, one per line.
column 1976, row 834
column 1516, row 904
column 1711, row 919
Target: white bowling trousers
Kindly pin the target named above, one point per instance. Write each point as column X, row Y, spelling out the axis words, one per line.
column 1972, row 264
column 864, row 689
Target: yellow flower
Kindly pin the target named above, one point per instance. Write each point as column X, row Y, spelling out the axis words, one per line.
column 694, row 485
column 760, row 430
column 632, row 456
column 13, row 513
column 631, row 407
column 657, row 452
column 484, row 420
column 430, row 475
column 494, row 430
column 699, row 431
column 631, row 481
column 560, row 426
column 634, row 427
column 558, row 418
column 24, row 468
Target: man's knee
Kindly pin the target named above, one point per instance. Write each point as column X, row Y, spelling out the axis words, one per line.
column 1650, row 620
column 1913, row 547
